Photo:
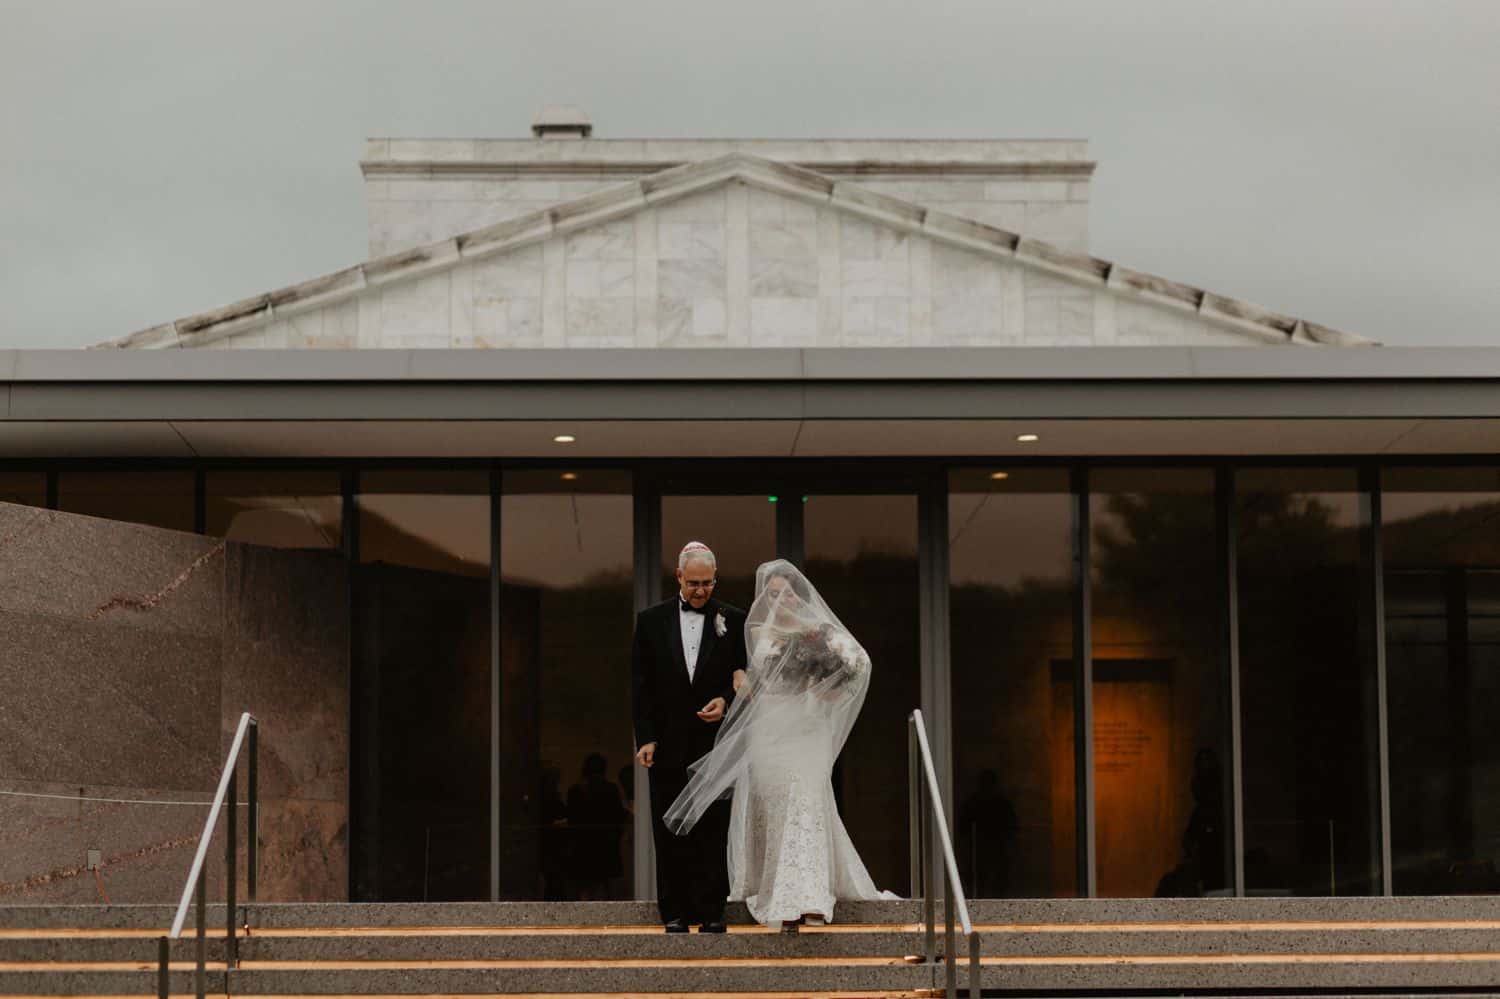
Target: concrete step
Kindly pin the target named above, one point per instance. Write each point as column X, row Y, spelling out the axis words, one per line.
column 76, row 950
column 1281, row 974
column 1265, row 947
column 420, row 943
column 571, row 944
column 499, row 914
column 840, row 994
column 1148, row 974
column 101, row 979
column 1186, row 939
column 639, row 977
column 1051, row 911
column 924, row 994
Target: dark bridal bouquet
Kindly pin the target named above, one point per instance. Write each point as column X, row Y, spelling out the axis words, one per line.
column 816, row 659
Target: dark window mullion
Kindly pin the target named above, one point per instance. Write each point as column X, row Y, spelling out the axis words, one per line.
column 1227, row 540
column 1083, row 684
column 1374, row 627
column 497, row 692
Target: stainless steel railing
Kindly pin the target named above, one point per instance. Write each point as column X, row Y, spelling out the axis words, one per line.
column 926, row 802
column 245, row 738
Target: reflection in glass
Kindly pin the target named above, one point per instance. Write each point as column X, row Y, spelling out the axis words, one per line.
column 422, row 600
column 1441, row 541
column 566, row 606
column 862, row 557
column 159, row 499
column 741, row 530
column 23, row 488
column 276, row 508
column 1307, row 735
column 1159, row 732
column 426, row 520
column 1010, row 607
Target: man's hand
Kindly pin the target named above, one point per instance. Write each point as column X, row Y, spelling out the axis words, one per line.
column 646, row 755
column 712, row 711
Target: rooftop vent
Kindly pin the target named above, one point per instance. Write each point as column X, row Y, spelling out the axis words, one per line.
column 562, row 121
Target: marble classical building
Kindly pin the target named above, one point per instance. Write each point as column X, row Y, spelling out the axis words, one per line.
column 1198, row 597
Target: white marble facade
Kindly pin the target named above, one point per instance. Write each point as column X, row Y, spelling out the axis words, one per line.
column 745, row 243
column 405, row 212
column 420, row 191
column 734, row 266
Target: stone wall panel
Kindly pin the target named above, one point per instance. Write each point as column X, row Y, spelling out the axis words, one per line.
column 129, row 654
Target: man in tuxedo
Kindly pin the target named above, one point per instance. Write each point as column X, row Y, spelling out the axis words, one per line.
column 682, row 663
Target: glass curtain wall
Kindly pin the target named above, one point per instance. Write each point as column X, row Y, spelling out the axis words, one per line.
column 422, row 669
column 1304, row 588
column 1160, row 746
column 275, row 508
column 1441, row 547
column 140, row 496
column 1010, row 600
column 566, row 614
column 861, row 554
column 1306, row 685
column 23, row 488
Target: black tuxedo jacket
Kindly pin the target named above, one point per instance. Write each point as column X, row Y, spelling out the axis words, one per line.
column 666, row 702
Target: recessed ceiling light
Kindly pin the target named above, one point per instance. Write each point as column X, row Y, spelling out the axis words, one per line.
column 997, row 476
column 569, row 476
column 564, row 439
column 1027, row 438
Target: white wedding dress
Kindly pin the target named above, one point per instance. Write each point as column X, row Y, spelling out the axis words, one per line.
column 789, row 854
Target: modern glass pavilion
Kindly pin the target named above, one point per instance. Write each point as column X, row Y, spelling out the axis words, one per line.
column 1223, row 626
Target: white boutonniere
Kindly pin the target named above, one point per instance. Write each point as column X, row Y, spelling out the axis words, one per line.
column 719, row 626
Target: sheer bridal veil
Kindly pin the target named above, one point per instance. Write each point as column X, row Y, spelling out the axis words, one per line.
column 807, row 678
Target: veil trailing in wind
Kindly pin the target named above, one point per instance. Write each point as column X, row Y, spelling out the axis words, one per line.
column 806, row 681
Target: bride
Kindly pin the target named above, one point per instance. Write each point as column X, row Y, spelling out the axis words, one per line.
column 790, row 858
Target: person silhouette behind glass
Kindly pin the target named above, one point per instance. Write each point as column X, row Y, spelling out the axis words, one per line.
column 596, row 818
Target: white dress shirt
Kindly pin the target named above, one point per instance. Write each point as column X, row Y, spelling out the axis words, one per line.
column 692, row 637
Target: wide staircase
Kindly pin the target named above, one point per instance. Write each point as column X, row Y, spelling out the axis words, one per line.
column 1093, row 947
column 1211, row 947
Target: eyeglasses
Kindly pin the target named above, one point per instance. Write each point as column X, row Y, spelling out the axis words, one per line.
column 699, row 584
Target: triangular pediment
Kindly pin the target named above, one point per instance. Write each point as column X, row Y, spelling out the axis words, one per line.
column 737, row 251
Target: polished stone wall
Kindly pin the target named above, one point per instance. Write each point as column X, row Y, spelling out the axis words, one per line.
column 128, row 654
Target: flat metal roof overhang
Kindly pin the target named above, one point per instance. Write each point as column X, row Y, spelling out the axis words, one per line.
column 790, row 402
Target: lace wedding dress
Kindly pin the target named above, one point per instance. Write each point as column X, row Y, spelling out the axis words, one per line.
column 789, row 853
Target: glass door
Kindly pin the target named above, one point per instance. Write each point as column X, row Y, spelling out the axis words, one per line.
column 860, row 551
column 566, row 610
column 861, row 554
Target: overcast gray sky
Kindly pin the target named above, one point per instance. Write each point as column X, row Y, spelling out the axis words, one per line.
column 1339, row 161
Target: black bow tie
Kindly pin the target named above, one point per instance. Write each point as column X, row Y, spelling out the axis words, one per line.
column 688, row 608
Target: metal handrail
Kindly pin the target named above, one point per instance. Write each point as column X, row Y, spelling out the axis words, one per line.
column 926, row 798
column 197, row 881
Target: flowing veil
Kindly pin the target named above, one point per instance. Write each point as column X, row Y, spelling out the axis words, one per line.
column 799, row 656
